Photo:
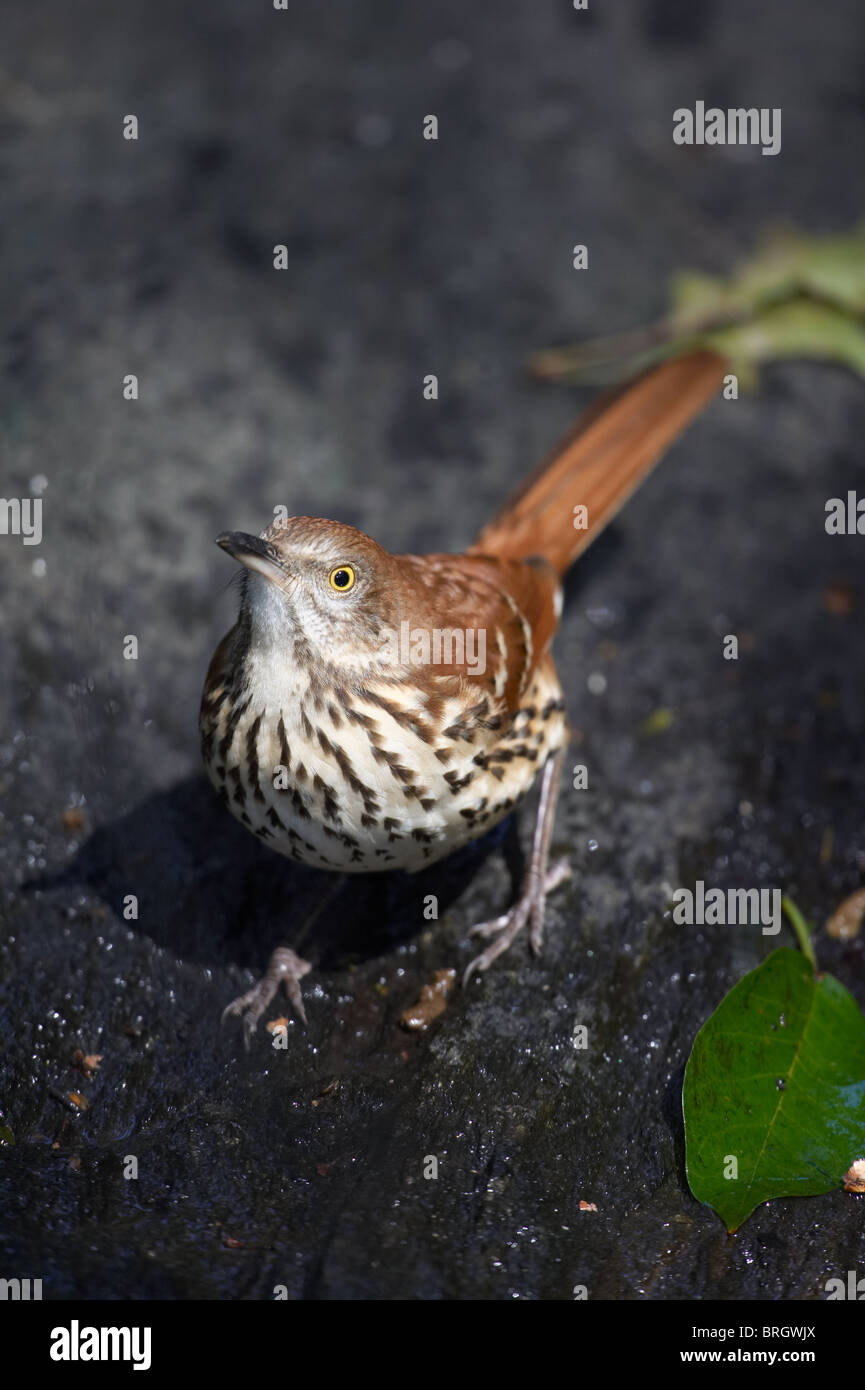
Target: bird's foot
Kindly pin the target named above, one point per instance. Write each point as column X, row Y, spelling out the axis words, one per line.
column 285, row 967
column 529, row 907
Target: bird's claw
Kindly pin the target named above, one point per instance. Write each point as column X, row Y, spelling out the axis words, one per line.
column 502, row 930
column 286, row 968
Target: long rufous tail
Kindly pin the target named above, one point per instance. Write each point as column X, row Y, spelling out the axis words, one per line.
column 612, row 448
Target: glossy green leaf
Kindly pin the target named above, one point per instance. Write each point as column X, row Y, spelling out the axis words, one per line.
column 774, row 1094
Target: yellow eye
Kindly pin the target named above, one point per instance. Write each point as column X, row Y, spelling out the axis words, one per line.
column 342, row 579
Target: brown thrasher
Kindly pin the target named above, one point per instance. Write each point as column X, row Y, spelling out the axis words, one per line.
column 371, row 711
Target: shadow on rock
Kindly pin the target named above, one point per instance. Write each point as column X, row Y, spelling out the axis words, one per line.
column 207, row 890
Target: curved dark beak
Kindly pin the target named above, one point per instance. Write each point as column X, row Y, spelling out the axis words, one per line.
column 252, row 552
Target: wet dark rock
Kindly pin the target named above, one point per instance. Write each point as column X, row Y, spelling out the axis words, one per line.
column 304, row 389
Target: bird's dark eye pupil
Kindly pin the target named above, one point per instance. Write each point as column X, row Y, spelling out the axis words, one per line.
column 341, row 579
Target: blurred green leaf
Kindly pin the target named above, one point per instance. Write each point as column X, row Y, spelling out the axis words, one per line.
column 797, row 296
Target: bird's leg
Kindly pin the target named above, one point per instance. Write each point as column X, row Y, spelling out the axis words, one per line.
column 285, row 967
column 539, row 881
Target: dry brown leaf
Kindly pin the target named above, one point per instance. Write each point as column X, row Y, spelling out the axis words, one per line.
column 432, row 1002
column 854, row 1178
column 87, row 1062
column 846, row 920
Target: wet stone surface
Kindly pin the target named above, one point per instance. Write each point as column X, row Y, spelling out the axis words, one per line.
column 305, row 1166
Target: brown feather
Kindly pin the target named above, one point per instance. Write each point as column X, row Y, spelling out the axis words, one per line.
column 513, row 598
column 614, row 445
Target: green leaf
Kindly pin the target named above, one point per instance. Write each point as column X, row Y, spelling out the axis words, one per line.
column 776, row 1082
column 796, row 296
column 799, row 328
column 789, row 263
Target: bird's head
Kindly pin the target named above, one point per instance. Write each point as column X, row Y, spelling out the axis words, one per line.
column 318, row 583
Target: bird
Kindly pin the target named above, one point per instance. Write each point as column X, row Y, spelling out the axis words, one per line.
column 372, row 711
